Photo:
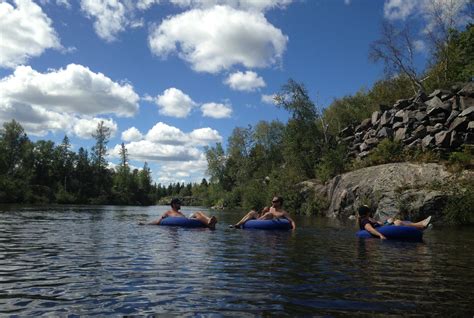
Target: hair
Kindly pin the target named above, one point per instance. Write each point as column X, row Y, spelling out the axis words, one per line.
column 175, row 201
column 279, row 199
column 364, row 210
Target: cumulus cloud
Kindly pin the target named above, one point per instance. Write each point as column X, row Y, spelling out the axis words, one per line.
column 216, row 110
column 110, row 17
column 167, row 143
column 399, row 9
column 64, row 100
column 131, row 134
column 25, row 32
column 268, row 99
column 258, row 5
column 174, row 103
column 248, row 81
column 217, row 38
column 146, row 4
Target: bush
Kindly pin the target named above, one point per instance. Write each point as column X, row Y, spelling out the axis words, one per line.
column 460, row 160
column 459, row 208
column 332, row 163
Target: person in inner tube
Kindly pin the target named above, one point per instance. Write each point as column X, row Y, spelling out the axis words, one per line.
column 366, row 222
column 175, row 212
column 274, row 212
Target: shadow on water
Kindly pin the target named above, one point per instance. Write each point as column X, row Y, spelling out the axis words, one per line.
column 83, row 260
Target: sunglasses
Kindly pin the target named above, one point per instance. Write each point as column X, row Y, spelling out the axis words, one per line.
column 275, row 201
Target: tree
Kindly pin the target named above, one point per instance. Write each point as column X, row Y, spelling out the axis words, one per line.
column 99, row 153
column 64, row 162
column 396, row 48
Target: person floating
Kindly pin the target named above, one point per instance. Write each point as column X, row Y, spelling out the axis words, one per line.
column 274, row 212
column 366, row 222
column 210, row 222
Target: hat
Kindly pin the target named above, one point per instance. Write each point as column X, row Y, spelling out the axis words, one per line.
column 175, row 201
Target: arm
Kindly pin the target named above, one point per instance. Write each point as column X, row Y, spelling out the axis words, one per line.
column 157, row 221
column 287, row 216
column 375, row 221
column 369, row 228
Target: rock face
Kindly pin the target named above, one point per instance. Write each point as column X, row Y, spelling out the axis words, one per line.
column 408, row 190
column 445, row 116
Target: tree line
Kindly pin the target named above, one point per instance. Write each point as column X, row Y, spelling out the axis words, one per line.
column 274, row 158
column 42, row 172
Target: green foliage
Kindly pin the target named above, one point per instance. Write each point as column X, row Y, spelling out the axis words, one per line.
column 458, row 209
column 387, row 151
column 333, row 162
column 461, row 160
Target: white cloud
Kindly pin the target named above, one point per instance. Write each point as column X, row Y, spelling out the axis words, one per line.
column 268, row 99
column 110, row 17
column 258, row 5
column 145, row 150
column 173, row 102
column 399, row 9
column 165, row 134
column 216, row 110
column 217, row 38
column 25, row 32
column 248, row 81
column 420, row 45
column 131, row 134
column 204, row 136
column 63, row 100
column 146, row 4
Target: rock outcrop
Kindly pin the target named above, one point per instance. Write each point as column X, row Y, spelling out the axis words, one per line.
column 406, row 189
column 443, row 120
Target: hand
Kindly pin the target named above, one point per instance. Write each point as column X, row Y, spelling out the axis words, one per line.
column 382, row 237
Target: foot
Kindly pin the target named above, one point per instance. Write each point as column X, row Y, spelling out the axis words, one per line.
column 212, row 222
column 429, row 227
column 426, row 221
column 234, row 226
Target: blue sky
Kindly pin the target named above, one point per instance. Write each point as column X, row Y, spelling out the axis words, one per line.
column 172, row 76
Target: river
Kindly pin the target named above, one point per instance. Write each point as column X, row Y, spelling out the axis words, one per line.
column 83, row 260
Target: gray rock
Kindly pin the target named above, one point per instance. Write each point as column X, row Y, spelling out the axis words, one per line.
column 400, row 134
column 439, row 118
column 427, row 142
column 384, row 107
column 371, row 142
column 456, row 139
column 375, row 117
column 385, row 132
column 400, row 114
column 469, row 138
column 385, row 119
column 408, row 116
column 363, row 125
column 414, row 144
column 465, row 102
column 363, row 154
column 470, row 126
column 401, row 103
column 420, row 132
column 468, row 112
column 467, row 90
column 459, row 124
column 433, row 103
column 451, row 117
column 346, row 132
column 420, row 116
column 442, row 139
column 397, row 125
column 446, row 97
column 348, row 139
column 364, row 147
column 434, row 129
column 438, row 93
column 420, row 97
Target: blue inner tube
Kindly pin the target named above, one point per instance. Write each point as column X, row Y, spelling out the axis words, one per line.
column 275, row 224
column 180, row 221
column 392, row 232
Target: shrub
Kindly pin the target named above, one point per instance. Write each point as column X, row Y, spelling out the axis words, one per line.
column 459, row 208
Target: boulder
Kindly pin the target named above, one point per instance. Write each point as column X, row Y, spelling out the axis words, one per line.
column 433, row 103
column 427, row 142
column 364, row 147
column 468, row 112
column 467, row 90
column 400, row 134
column 439, row 118
column 414, row 144
column 442, row 139
column 420, row 97
column 366, row 123
column 408, row 116
column 470, row 126
column 379, row 186
column 346, row 132
column 385, row 119
column 451, row 117
column 469, row 138
column 456, row 139
column 401, row 103
column 375, row 117
column 348, row 139
column 420, row 132
column 372, row 142
column 466, row 102
column 459, row 124
column 397, row 125
column 385, row 132
column 420, row 116
column 363, row 154
column 432, row 130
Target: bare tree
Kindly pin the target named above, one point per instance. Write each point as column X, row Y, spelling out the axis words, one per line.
column 396, row 48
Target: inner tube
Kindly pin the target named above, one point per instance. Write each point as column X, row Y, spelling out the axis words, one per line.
column 393, row 232
column 275, row 224
column 181, row 221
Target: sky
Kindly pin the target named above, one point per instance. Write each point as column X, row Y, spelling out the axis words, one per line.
column 170, row 77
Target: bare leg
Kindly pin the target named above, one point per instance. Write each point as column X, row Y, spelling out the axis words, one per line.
column 419, row 225
column 208, row 221
column 249, row 216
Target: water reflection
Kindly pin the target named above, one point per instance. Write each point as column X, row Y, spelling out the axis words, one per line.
column 96, row 260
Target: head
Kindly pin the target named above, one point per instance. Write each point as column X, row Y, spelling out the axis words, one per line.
column 175, row 203
column 364, row 211
column 277, row 201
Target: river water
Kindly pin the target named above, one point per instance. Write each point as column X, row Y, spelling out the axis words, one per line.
column 82, row 260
